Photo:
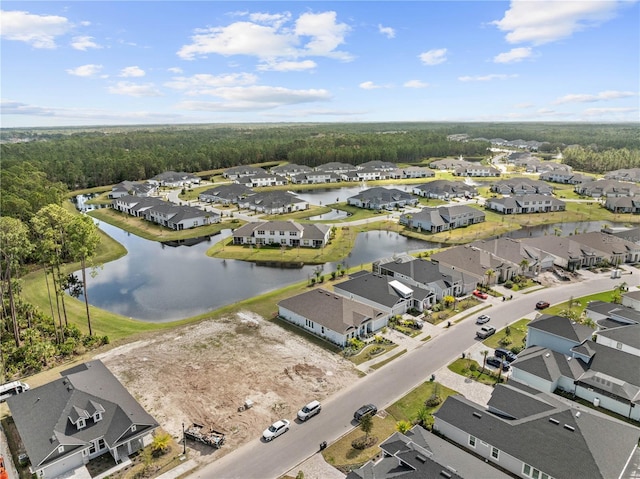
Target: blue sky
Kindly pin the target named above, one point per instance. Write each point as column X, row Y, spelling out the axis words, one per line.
column 149, row 62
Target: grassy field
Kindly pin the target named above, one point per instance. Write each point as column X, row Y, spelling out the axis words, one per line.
column 518, row 332
column 463, row 367
column 407, row 407
column 579, row 304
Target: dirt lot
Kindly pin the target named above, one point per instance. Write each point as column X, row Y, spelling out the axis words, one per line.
column 203, row 373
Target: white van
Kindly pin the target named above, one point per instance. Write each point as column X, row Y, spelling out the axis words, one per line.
column 11, row 389
column 309, row 410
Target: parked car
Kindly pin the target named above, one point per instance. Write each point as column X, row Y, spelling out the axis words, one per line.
column 542, row 305
column 496, row 362
column 309, row 410
column 366, row 410
column 276, row 429
column 483, row 318
column 505, row 354
column 485, row 331
column 480, row 294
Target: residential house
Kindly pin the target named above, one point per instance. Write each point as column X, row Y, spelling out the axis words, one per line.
column 261, row 179
column 607, row 189
column 287, row 233
column 625, row 338
column 225, row 194
column 421, row 454
column 557, row 333
column 521, row 186
column 631, row 234
column 175, row 179
column 443, row 218
column 334, row 167
column 273, row 202
column 631, row 299
column 135, row 205
column 623, row 204
column 448, row 163
column 528, row 203
column 566, row 177
column 378, row 165
column 534, row 435
column 241, row 171
column 425, row 274
column 332, row 317
column 364, row 174
column 625, row 174
column 609, row 248
column 611, row 315
column 385, row 293
column 530, row 259
column 412, row 172
column 290, row 169
column 444, row 190
column 476, row 262
column 379, row 198
column 180, row 217
column 476, row 169
column 315, row 177
column 134, row 188
column 82, row 415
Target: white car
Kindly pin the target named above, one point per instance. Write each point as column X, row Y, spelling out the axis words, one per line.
column 275, row 430
column 483, row 318
column 309, row 410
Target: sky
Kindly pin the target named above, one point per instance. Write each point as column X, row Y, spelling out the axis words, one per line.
column 81, row 63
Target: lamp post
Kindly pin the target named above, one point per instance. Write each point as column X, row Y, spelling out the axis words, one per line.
column 184, row 441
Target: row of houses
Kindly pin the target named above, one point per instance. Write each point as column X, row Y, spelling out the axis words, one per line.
column 283, row 233
column 442, row 218
column 167, row 214
column 169, row 179
column 461, row 167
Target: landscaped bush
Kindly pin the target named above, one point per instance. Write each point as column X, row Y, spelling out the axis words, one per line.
column 364, row 442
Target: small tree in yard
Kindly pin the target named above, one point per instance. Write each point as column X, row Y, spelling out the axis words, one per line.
column 485, row 353
column 160, row 444
column 403, row 426
column 448, row 301
column 366, row 424
column 423, row 416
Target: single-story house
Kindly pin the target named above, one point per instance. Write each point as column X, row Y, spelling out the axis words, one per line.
column 623, row 204
column 379, row 198
column 332, row 317
column 528, row 203
column 175, row 179
column 261, row 179
column 287, row 233
column 225, row 194
column 445, row 189
column 273, row 202
column 607, row 188
column 521, row 186
column 315, row 177
column 624, row 174
column 534, row 435
column 290, row 169
column 180, row 217
column 236, row 172
column 84, row 414
column 134, row 188
column 443, row 218
column 135, row 205
column 412, row 172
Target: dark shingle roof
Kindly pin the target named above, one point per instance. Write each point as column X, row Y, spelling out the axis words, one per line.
column 629, row 335
column 561, row 326
column 373, row 287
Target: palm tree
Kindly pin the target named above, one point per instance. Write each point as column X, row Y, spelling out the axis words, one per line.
column 524, row 264
column 484, row 353
column 489, row 274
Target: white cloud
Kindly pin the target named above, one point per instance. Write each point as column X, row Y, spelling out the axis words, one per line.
column 387, row 31
column 83, row 43
column 133, row 71
column 134, row 89
column 287, row 66
column 176, row 70
column 546, row 21
column 513, row 55
column 39, row 31
column 415, row 84
column 491, row 77
column 267, row 38
column 203, row 84
column 255, row 98
column 588, row 98
column 434, row 57
column 369, row 85
column 89, row 70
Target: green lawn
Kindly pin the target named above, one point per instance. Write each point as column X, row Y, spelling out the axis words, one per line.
column 518, row 332
column 579, row 304
column 471, row 369
column 407, row 407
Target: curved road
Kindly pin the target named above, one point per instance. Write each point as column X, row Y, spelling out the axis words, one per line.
column 260, row 460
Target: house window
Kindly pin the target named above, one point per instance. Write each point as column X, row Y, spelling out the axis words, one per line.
column 322, row 329
column 102, row 444
column 92, row 448
column 293, row 233
column 281, row 233
column 97, row 417
column 60, row 449
column 80, row 423
column 472, row 441
column 495, row 453
column 272, row 233
column 133, row 428
column 261, row 232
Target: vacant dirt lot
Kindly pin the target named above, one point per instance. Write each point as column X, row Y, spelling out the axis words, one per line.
column 203, row 373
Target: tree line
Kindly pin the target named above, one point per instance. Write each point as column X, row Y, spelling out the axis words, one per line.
column 31, row 339
column 596, row 161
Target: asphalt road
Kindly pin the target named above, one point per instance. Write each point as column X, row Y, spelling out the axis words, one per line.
column 261, row 460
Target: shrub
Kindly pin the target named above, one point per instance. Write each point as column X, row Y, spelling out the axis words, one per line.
column 508, row 284
column 364, row 442
column 433, row 401
column 473, row 367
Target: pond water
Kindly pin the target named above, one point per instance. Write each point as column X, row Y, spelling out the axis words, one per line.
column 331, row 215
column 156, row 282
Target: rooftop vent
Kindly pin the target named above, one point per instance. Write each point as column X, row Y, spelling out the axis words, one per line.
column 420, row 458
column 578, row 414
column 554, row 421
column 446, row 474
column 569, row 428
column 477, row 414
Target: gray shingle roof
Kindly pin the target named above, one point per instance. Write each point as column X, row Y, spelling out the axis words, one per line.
column 42, row 414
column 563, row 327
column 629, row 335
column 373, row 287
column 549, row 365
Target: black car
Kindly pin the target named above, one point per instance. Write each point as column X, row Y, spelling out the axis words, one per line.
column 505, row 354
column 495, row 362
column 366, row 410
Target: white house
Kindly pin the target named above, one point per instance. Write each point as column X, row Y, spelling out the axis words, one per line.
column 286, row 233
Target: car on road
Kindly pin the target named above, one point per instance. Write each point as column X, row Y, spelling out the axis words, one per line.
column 505, row 354
column 485, row 331
column 276, row 429
column 309, row 410
column 542, row 305
column 480, row 294
column 366, row 410
column 496, row 362
column 483, row 318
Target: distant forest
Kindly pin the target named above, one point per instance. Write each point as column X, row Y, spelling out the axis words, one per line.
column 89, row 157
